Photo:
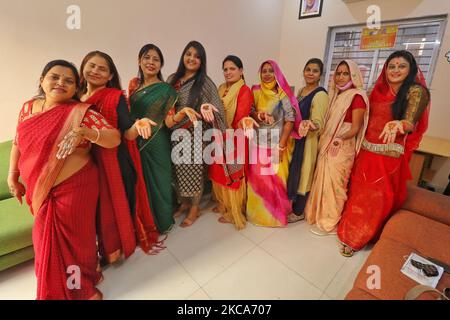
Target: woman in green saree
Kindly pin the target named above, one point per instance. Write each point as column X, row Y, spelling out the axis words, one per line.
column 152, row 98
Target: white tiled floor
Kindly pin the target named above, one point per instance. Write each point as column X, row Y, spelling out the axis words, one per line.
column 211, row 260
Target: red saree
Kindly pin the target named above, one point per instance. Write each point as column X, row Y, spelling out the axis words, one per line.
column 116, row 226
column 64, row 236
column 378, row 181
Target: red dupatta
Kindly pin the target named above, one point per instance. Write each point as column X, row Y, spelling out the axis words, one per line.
column 38, row 138
column 106, row 100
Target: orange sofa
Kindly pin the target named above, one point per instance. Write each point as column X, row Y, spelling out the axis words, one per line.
column 422, row 226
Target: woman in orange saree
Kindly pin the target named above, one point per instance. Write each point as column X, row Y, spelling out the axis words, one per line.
column 51, row 155
column 399, row 106
column 345, row 124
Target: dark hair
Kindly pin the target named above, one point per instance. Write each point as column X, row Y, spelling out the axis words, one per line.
column 315, row 61
column 200, row 76
column 62, row 63
column 236, row 60
column 115, row 80
column 401, row 102
column 142, row 52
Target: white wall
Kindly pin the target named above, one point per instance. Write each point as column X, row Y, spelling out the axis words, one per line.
column 34, row 32
column 304, row 39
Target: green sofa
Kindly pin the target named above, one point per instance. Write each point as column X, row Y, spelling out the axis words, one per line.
column 16, row 220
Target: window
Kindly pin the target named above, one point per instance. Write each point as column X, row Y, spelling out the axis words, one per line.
column 422, row 37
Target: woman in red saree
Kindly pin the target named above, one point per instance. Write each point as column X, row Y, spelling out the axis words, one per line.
column 399, row 117
column 124, row 212
column 51, row 154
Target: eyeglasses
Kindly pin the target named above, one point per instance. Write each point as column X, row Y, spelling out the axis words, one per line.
column 428, row 269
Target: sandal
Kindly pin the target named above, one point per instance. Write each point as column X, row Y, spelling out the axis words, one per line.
column 292, row 217
column 346, row 251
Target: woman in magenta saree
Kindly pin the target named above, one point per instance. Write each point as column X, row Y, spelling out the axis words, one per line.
column 51, row 154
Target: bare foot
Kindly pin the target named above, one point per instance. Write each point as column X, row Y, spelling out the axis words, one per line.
column 192, row 216
column 223, row 220
column 181, row 210
column 216, row 209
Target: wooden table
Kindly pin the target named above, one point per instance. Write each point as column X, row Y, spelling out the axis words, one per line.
column 422, row 158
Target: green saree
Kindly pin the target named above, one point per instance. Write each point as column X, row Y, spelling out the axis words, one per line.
column 154, row 102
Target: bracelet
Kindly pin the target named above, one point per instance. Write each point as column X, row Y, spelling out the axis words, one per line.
column 98, row 135
column 258, row 116
column 173, row 119
column 14, row 171
column 282, row 149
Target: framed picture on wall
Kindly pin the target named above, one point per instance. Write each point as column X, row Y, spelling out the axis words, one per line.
column 310, row 9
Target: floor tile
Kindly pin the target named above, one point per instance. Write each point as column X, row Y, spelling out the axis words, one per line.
column 18, row 282
column 315, row 258
column 257, row 234
column 141, row 276
column 257, row 276
column 342, row 283
column 207, row 247
column 200, row 294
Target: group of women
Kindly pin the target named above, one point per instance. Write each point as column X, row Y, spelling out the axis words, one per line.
column 99, row 166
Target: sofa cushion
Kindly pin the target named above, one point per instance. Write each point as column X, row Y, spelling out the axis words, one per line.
column 5, row 149
column 16, row 223
column 406, row 232
column 429, row 204
column 428, row 237
column 16, row 257
column 358, row 294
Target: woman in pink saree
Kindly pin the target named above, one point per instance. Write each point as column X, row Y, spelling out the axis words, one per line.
column 345, row 124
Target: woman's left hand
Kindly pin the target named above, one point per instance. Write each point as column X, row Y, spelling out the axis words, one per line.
column 281, row 151
column 207, row 111
column 390, row 131
column 69, row 143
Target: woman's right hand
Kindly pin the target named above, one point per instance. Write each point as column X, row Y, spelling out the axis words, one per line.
column 305, row 126
column 265, row 117
column 193, row 115
column 16, row 188
column 248, row 124
column 143, row 127
column 335, row 146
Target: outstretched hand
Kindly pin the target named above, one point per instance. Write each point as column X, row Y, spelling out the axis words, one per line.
column 248, row 124
column 390, row 131
column 207, row 111
column 305, row 126
column 69, row 143
column 143, row 127
column 335, row 146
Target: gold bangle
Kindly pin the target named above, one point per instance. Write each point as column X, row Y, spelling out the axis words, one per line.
column 173, row 119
